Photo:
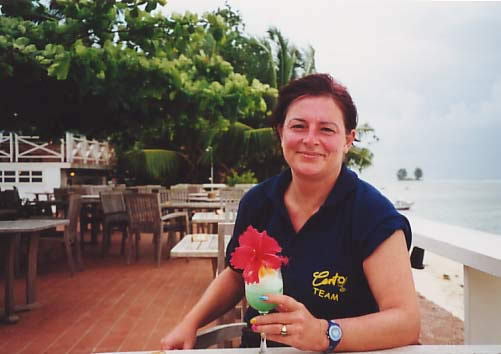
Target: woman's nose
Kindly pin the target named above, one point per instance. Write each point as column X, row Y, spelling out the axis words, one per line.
column 310, row 137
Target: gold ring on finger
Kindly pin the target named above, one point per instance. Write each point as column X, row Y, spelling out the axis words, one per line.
column 283, row 331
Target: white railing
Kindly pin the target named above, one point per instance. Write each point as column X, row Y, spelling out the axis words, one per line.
column 82, row 150
column 37, row 149
column 72, row 149
column 480, row 254
column 8, row 152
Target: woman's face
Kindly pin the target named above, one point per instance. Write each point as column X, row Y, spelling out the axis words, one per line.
column 313, row 137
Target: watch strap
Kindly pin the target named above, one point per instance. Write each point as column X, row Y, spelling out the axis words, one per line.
column 333, row 342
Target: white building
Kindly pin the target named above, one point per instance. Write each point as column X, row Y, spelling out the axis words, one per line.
column 35, row 166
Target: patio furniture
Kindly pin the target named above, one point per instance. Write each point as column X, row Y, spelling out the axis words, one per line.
column 10, row 230
column 10, row 204
column 219, row 334
column 230, row 200
column 70, row 238
column 145, row 216
column 61, row 199
column 178, row 195
column 204, row 220
column 114, row 216
column 91, row 214
column 210, row 246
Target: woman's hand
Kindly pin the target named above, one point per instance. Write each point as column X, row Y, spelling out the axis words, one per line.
column 183, row 336
column 304, row 331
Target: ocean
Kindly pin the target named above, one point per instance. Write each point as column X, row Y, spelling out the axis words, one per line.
column 474, row 204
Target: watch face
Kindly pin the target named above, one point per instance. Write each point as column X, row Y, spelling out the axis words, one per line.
column 335, row 333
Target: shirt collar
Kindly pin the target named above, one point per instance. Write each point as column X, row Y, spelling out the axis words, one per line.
column 346, row 182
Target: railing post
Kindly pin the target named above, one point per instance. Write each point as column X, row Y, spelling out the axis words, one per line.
column 62, row 149
column 16, row 146
column 69, row 147
column 11, row 145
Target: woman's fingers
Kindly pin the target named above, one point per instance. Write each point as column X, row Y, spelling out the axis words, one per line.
column 284, row 303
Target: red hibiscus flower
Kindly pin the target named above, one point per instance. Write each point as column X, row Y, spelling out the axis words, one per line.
column 256, row 250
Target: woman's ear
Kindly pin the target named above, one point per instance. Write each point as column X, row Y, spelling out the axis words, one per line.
column 280, row 129
column 350, row 137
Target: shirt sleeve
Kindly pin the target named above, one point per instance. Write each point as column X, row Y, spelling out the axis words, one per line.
column 375, row 220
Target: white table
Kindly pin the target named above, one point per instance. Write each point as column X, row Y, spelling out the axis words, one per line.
column 10, row 230
column 199, row 246
column 190, row 205
column 411, row 349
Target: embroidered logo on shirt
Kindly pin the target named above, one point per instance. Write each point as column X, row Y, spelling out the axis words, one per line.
column 331, row 286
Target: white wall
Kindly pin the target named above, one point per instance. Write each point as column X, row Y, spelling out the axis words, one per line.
column 51, row 177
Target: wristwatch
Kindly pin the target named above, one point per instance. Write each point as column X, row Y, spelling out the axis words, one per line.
column 334, row 334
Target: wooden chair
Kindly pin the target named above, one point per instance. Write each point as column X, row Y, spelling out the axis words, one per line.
column 230, row 199
column 10, row 204
column 219, row 334
column 145, row 216
column 224, row 229
column 70, row 236
column 61, row 199
column 90, row 214
column 114, row 216
column 178, row 195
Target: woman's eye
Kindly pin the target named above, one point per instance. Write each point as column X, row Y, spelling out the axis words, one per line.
column 297, row 126
column 328, row 130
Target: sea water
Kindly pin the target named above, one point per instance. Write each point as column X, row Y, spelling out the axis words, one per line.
column 474, row 204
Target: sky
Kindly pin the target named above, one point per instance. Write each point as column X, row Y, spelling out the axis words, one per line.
column 425, row 75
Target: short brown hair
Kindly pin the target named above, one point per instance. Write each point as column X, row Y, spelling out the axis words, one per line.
column 315, row 85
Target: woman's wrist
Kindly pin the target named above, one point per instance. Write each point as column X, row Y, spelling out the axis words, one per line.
column 324, row 339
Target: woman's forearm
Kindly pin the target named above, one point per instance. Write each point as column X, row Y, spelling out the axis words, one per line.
column 385, row 329
column 222, row 295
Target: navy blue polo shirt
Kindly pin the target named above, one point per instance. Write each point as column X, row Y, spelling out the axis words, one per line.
column 325, row 270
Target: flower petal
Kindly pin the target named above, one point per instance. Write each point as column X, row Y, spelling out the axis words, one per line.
column 250, row 237
column 241, row 257
column 251, row 272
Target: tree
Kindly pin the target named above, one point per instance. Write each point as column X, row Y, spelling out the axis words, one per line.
column 402, row 174
column 161, row 89
column 418, row 173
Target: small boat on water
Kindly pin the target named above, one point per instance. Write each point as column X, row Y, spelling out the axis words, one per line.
column 402, row 204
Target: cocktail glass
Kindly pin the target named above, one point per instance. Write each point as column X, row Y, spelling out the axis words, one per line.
column 270, row 282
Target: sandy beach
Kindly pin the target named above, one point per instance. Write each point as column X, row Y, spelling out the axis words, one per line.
column 440, row 289
column 441, row 282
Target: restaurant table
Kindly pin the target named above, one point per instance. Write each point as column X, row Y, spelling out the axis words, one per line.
column 190, row 205
column 199, row 246
column 9, row 230
column 410, row 349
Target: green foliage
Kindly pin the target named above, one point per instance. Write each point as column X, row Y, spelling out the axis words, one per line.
column 147, row 166
column 121, row 70
column 360, row 157
column 246, row 177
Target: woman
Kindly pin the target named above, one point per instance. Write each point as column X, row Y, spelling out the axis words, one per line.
column 348, row 285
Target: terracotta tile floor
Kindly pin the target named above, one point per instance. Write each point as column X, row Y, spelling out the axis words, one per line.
column 110, row 306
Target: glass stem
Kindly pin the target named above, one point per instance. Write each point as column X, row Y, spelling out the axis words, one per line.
column 262, row 347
